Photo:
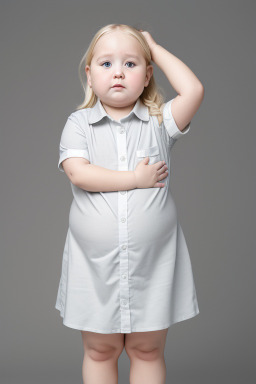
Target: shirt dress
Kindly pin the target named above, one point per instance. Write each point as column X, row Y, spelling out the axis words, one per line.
column 126, row 266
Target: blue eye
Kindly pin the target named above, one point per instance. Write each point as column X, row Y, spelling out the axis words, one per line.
column 130, row 62
column 105, row 63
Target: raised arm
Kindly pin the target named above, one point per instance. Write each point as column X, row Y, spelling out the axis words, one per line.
column 189, row 88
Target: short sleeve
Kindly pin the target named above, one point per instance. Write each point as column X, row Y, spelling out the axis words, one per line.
column 73, row 142
column 170, row 126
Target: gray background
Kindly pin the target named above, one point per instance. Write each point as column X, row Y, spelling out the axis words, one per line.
column 213, row 182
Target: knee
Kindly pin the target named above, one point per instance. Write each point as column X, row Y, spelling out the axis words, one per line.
column 104, row 354
column 101, row 352
column 144, row 353
column 146, row 346
column 101, row 347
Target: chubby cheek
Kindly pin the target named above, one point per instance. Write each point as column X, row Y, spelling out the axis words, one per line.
column 137, row 80
column 100, row 83
column 98, row 79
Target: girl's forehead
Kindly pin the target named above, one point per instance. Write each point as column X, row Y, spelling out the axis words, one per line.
column 117, row 35
column 113, row 39
column 117, row 43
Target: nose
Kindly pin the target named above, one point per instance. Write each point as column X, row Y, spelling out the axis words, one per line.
column 118, row 73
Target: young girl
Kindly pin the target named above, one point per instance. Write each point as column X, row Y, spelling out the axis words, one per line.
column 126, row 271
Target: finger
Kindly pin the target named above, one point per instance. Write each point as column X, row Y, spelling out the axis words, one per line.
column 145, row 160
column 161, row 185
column 161, row 170
column 163, row 176
column 159, row 164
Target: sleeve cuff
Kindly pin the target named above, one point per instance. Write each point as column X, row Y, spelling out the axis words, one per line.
column 66, row 153
column 170, row 123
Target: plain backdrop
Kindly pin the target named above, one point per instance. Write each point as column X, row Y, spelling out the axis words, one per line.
column 213, row 182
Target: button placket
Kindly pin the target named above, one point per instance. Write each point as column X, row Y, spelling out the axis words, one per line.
column 123, row 235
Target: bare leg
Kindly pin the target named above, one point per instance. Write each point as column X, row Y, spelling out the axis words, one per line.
column 146, row 354
column 101, row 353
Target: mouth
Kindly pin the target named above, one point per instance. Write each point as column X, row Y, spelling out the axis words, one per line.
column 118, row 86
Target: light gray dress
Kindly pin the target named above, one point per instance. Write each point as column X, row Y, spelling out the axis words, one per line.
column 126, row 267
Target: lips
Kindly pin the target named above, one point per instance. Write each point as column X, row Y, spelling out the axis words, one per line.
column 118, row 86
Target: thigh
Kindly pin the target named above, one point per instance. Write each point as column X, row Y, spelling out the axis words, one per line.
column 99, row 345
column 151, row 343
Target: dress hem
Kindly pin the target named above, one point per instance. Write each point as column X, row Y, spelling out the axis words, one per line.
column 156, row 328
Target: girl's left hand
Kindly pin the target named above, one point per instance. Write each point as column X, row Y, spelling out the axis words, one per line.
column 151, row 42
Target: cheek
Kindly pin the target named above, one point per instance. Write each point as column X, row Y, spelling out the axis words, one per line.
column 137, row 79
column 98, row 80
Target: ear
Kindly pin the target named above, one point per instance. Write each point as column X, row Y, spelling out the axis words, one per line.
column 88, row 74
column 149, row 73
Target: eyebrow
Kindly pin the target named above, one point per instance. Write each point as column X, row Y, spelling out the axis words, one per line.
column 126, row 55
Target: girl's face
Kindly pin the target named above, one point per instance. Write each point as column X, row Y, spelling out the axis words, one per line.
column 118, row 59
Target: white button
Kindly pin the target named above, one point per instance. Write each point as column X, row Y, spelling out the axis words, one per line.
column 124, row 276
column 121, row 130
column 123, row 192
column 122, row 158
column 124, row 246
column 123, row 219
column 124, row 302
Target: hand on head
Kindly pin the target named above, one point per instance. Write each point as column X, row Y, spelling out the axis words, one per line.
column 151, row 42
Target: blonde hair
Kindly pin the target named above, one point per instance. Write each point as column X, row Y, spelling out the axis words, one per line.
column 152, row 95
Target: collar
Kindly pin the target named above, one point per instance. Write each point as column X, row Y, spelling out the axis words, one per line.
column 98, row 112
